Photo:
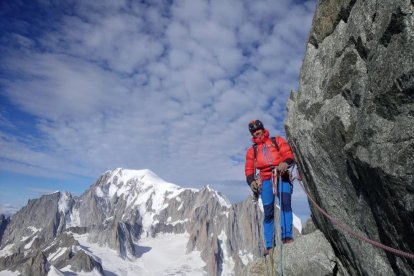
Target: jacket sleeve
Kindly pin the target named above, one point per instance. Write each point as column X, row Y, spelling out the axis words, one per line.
column 285, row 151
column 249, row 166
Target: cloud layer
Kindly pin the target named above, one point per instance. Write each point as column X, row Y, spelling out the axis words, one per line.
column 169, row 86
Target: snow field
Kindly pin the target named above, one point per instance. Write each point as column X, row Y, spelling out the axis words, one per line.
column 163, row 255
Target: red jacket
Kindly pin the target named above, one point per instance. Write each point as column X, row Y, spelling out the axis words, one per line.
column 267, row 156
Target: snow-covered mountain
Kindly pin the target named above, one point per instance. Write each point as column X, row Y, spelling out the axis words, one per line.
column 131, row 222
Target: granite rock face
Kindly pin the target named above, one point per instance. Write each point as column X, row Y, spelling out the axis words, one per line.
column 35, row 265
column 308, row 227
column 4, row 221
column 351, row 127
column 36, row 235
column 40, row 218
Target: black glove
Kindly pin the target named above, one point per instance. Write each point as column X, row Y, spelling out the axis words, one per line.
column 254, row 186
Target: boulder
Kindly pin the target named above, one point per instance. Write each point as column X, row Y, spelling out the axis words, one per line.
column 308, row 227
column 309, row 254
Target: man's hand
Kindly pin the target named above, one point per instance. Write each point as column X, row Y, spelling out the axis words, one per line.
column 282, row 167
column 254, row 186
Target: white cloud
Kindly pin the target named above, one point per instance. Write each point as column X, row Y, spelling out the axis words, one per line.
column 169, row 88
column 8, row 209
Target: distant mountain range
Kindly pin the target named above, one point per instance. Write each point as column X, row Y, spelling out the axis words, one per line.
column 131, row 222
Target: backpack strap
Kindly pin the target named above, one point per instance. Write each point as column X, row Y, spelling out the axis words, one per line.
column 274, row 143
column 255, row 154
column 255, row 151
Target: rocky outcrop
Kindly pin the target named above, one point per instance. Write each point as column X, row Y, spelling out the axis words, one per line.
column 42, row 219
column 36, row 235
column 36, row 265
column 39, row 218
column 225, row 236
column 309, row 255
column 351, row 128
column 308, row 227
column 4, row 221
column 66, row 251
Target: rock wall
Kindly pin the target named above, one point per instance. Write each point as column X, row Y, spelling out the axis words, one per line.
column 34, row 241
column 351, row 128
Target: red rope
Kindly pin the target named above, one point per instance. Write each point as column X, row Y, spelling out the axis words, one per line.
column 355, row 234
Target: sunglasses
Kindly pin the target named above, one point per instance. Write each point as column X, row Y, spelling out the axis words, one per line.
column 257, row 131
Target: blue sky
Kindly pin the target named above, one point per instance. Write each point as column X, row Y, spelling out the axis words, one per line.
column 170, row 86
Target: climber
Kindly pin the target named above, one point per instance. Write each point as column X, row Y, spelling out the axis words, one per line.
column 266, row 154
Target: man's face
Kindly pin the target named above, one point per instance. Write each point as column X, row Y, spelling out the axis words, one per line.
column 258, row 132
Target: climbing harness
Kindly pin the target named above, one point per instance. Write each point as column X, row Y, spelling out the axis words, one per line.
column 346, row 228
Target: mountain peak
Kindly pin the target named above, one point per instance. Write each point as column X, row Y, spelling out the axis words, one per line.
column 120, row 181
column 223, row 200
column 144, row 175
column 139, row 188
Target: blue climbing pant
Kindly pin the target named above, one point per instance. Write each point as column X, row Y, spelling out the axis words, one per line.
column 284, row 194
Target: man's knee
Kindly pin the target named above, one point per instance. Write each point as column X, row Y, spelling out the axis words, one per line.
column 268, row 213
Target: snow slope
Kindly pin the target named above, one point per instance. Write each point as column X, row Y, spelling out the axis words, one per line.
column 162, row 255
